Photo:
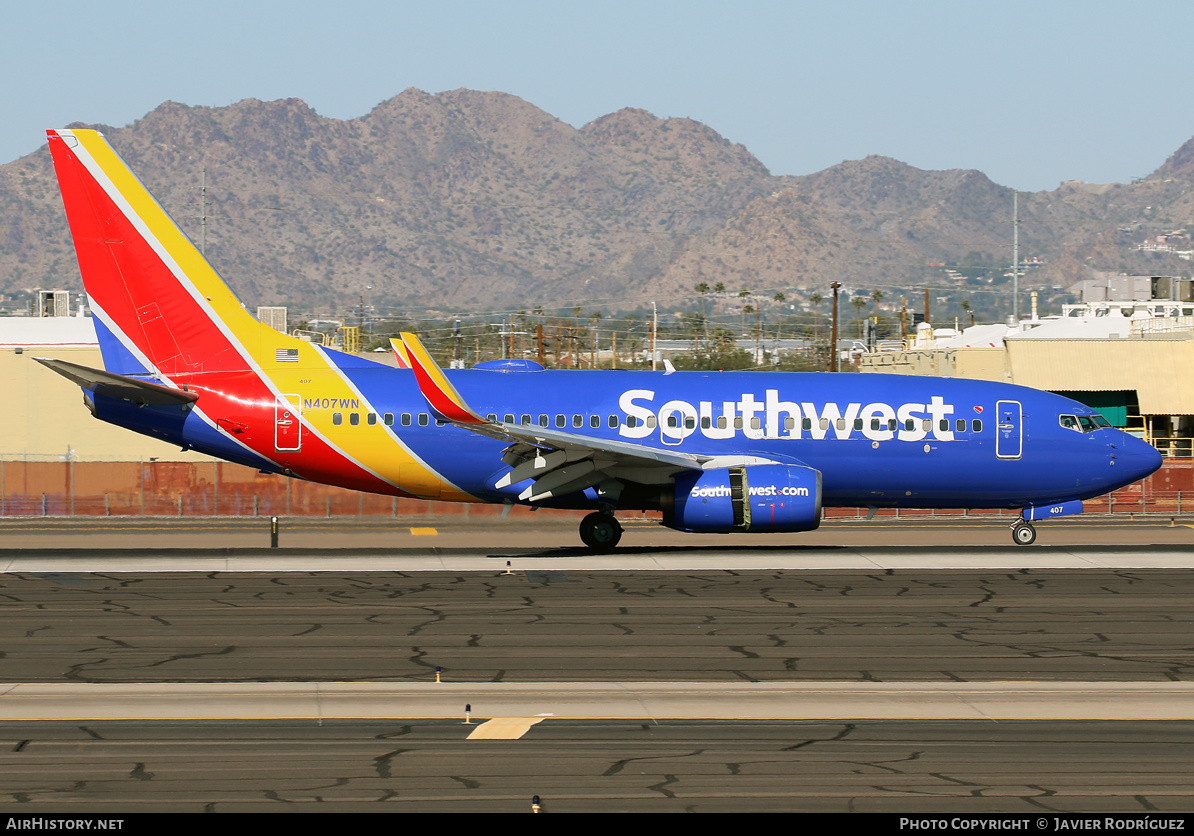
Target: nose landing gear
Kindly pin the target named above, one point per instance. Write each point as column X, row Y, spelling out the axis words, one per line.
column 600, row 531
column 1023, row 534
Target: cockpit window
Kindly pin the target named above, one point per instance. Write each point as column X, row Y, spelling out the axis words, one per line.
column 1083, row 423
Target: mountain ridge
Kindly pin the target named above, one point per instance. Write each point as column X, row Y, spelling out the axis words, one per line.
column 470, row 200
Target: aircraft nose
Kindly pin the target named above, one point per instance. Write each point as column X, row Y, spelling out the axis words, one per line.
column 1135, row 459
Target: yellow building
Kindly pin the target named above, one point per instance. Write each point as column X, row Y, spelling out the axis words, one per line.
column 45, row 419
column 1133, row 364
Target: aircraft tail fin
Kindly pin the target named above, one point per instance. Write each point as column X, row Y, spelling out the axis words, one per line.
column 159, row 307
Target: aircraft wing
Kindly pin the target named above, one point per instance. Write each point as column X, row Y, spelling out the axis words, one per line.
column 559, row 462
column 140, row 392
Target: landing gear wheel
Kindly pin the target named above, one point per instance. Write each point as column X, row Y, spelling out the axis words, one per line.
column 600, row 532
column 1023, row 534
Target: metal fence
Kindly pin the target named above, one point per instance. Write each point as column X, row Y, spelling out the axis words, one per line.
column 219, row 489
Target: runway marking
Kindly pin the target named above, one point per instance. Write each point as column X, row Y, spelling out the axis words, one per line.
column 522, row 704
column 504, row 728
column 424, row 532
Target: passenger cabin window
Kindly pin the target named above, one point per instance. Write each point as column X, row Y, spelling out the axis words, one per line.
column 561, row 421
column 406, row 419
column 423, row 419
column 371, row 418
column 337, row 419
column 613, row 422
column 508, row 418
column 578, row 421
column 976, row 426
column 595, row 421
column 491, row 418
column 388, row 418
column 960, row 425
column 526, row 420
column 542, row 419
column 354, row 418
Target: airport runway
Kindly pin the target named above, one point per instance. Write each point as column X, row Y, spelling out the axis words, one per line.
column 551, row 625
column 1028, row 768
column 897, row 669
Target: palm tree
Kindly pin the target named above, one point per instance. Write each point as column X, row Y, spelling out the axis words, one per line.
column 779, row 318
column 594, row 318
column 859, row 302
column 702, row 289
column 815, row 300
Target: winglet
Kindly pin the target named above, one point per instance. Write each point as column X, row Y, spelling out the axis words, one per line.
column 439, row 392
column 400, row 353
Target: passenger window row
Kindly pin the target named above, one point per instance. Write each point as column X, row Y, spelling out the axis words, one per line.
column 354, row 418
column 1077, row 423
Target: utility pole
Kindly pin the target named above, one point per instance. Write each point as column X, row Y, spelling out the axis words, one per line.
column 833, row 336
column 203, row 212
column 1016, row 256
column 759, row 335
column 654, row 328
column 539, row 339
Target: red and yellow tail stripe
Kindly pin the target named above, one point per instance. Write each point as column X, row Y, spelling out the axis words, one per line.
column 171, row 310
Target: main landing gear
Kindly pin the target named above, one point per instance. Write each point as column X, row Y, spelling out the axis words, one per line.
column 1023, row 534
column 600, row 531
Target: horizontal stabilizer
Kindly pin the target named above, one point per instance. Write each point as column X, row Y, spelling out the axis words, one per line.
column 117, row 386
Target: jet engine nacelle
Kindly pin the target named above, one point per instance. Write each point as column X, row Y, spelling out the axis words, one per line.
column 762, row 498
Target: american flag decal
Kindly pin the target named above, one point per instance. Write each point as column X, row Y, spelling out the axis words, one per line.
column 286, row 355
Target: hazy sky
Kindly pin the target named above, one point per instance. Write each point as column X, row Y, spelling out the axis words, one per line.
column 1031, row 93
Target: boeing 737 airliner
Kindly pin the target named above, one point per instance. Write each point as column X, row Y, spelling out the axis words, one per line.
column 738, row 451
